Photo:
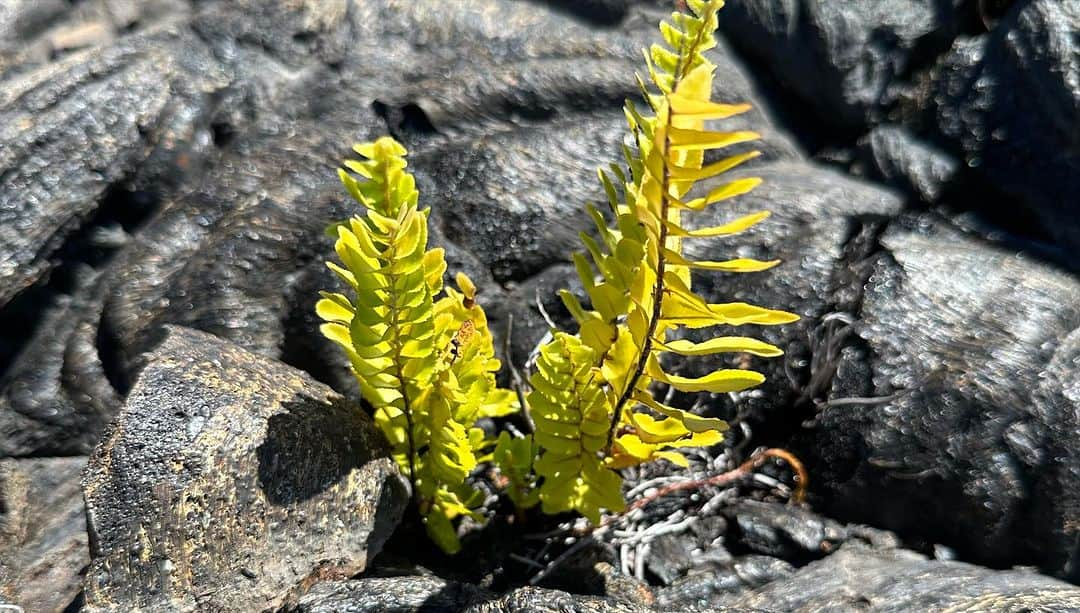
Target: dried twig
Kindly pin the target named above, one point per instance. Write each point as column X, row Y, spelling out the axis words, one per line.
column 855, row 400
column 524, row 560
column 544, row 313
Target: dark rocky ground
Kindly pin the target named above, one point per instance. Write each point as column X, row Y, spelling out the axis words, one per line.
column 171, row 163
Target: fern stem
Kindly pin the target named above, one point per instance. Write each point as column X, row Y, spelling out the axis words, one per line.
column 658, row 291
column 405, row 405
column 654, row 320
column 395, row 326
column 408, row 415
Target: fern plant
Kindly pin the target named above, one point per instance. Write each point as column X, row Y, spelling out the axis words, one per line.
column 590, row 397
column 422, row 353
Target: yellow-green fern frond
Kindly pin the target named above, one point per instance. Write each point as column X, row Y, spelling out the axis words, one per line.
column 388, row 326
column 639, row 282
column 424, row 363
column 571, row 412
column 441, row 508
column 387, row 186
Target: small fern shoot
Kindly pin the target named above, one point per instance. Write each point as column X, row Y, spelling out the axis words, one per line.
column 591, row 401
column 425, row 363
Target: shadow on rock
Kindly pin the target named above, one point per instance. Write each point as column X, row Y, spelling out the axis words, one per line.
column 308, row 448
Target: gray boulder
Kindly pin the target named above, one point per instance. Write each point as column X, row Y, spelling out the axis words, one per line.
column 856, row 578
column 230, row 481
column 955, row 402
column 43, row 544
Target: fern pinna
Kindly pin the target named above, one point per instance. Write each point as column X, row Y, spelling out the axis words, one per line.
column 591, row 402
column 424, row 362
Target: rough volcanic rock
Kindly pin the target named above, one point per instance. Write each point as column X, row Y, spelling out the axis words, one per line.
column 718, row 558
column 857, row 578
column 56, row 398
column 792, row 533
column 516, row 197
column 962, row 410
column 892, row 155
column 230, row 481
column 472, row 67
column 714, row 587
column 415, row 593
column 840, row 58
column 223, row 259
column 519, row 309
column 425, row 593
column 73, row 129
column 844, row 567
column 34, row 32
column 43, row 544
column 21, row 21
column 1053, row 427
column 1009, row 102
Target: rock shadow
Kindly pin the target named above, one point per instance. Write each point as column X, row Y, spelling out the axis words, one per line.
column 312, row 446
